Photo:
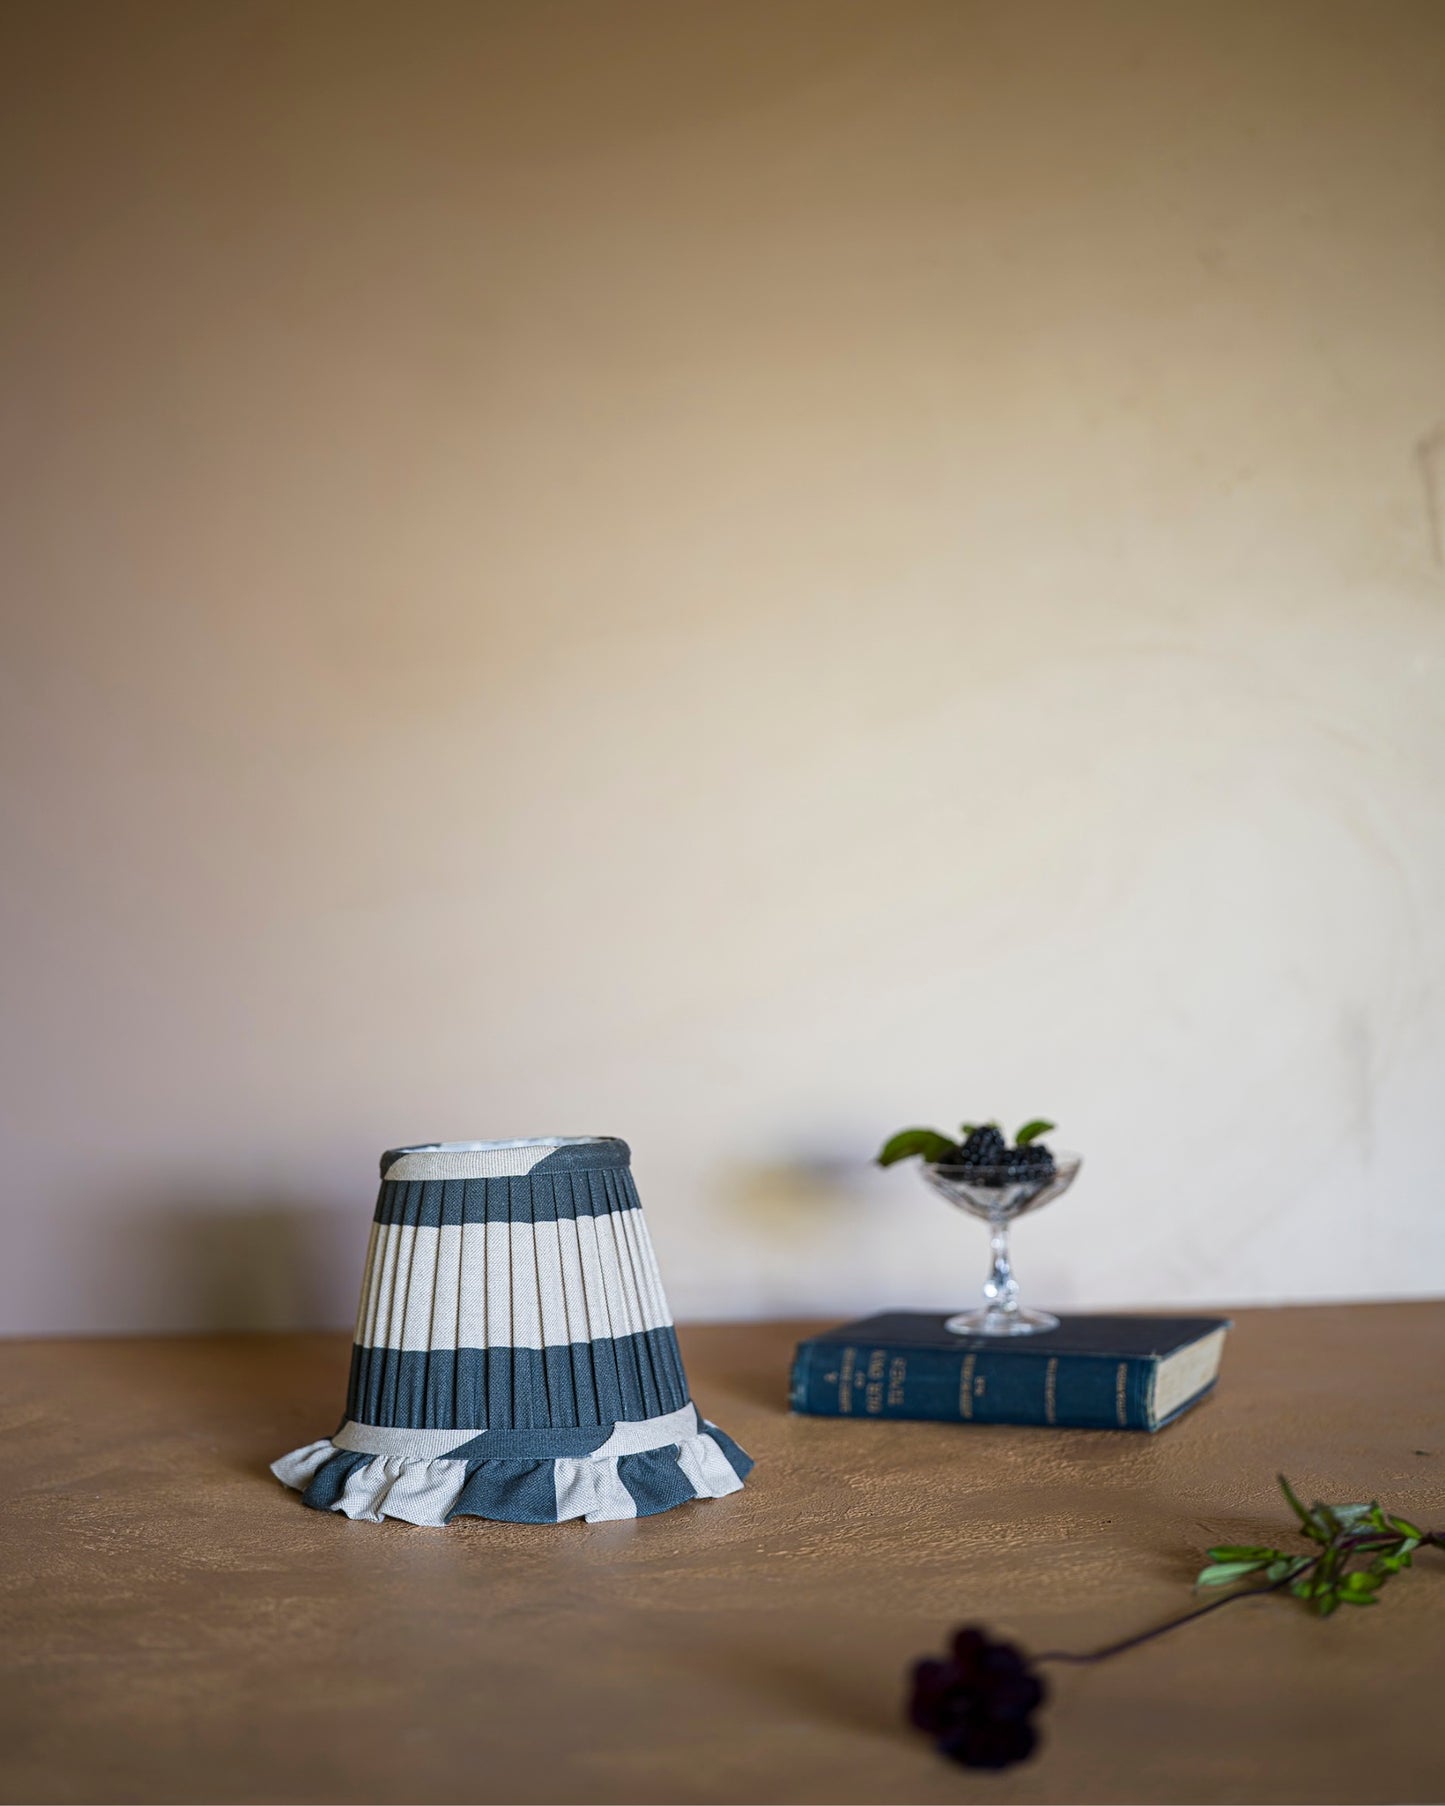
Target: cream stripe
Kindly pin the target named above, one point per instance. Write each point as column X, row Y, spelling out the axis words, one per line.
column 506, row 1285
column 365, row 1305
column 435, row 1445
column 594, row 1289
column 552, row 1299
column 445, row 1292
column 644, row 1262
column 526, row 1254
column 708, row 1468
column 592, row 1490
column 411, row 1445
column 652, row 1433
column 575, row 1318
column 489, row 1273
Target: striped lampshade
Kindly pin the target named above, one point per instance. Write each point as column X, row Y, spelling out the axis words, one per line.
column 515, row 1357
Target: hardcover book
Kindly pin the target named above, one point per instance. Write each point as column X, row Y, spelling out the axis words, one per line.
column 1091, row 1373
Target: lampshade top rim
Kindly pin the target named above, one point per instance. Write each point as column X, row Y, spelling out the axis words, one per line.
column 483, row 1147
column 463, row 1160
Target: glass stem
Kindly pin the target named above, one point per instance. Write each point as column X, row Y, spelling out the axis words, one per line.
column 1001, row 1290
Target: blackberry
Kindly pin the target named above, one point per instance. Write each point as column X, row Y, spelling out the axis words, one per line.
column 988, row 1159
column 1034, row 1162
column 984, row 1147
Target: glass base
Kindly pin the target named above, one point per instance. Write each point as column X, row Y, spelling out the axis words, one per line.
column 992, row 1322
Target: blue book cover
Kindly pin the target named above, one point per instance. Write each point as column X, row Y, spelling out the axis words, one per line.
column 1094, row 1373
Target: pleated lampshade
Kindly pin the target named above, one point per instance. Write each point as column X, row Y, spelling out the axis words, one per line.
column 514, row 1357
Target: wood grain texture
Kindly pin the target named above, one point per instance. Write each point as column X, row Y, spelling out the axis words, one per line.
column 177, row 1627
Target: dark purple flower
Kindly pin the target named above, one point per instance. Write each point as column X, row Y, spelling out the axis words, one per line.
column 977, row 1701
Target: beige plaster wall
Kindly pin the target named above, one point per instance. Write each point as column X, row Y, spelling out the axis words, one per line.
column 736, row 574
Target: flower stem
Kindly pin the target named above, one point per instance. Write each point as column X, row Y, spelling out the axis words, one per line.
column 1147, row 1636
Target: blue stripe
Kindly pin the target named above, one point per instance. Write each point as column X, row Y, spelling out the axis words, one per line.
column 587, row 1156
column 655, row 1480
column 741, row 1464
column 513, row 1492
column 611, row 1380
column 536, row 1197
column 518, row 1445
column 330, row 1477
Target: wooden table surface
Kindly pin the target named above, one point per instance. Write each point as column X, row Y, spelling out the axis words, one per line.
column 177, row 1627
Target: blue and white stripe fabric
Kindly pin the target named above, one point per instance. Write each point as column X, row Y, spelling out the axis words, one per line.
column 514, row 1357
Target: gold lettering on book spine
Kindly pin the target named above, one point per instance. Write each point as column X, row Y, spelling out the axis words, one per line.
column 873, row 1393
column 897, row 1374
column 1121, row 1394
column 1051, row 1388
column 845, row 1381
column 965, row 1387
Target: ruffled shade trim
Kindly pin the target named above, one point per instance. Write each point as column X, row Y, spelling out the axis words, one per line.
column 598, row 1488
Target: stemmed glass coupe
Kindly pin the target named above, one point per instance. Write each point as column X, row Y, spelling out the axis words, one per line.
column 999, row 1201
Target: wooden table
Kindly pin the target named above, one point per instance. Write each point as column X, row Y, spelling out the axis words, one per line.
column 176, row 1627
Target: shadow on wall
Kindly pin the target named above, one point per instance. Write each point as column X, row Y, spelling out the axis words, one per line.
column 794, row 1214
column 789, row 1200
column 205, row 1264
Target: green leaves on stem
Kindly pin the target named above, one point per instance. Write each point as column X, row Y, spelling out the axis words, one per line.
column 1360, row 1548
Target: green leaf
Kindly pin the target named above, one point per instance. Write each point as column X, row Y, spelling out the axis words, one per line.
column 1326, row 1602
column 1406, row 1528
column 1358, row 1599
column 1222, row 1573
column 1349, row 1517
column 1242, row 1552
column 1294, row 1504
column 927, row 1144
column 1360, row 1582
column 1308, row 1522
column 1032, row 1130
column 1285, row 1566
